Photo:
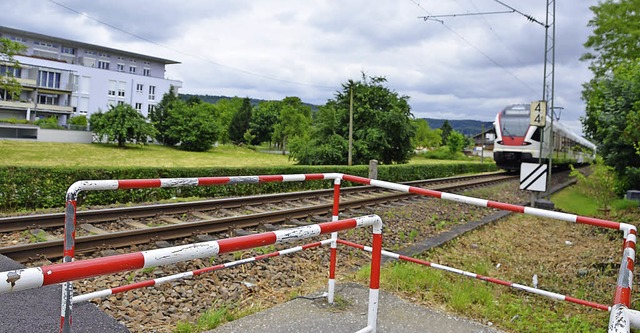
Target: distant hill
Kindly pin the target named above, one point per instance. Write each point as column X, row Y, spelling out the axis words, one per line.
column 466, row 127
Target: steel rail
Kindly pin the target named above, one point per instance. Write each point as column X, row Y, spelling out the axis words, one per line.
column 53, row 249
column 56, row 220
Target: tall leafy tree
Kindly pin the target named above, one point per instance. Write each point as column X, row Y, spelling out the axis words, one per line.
column 446, row 131
column 425, row 136
column 613, row 118
column 263, row 119
column 616, row 31
column 193, row 126
column 225, row 110
column 160, row 114
column 8, row 83
column 122, row 124
column 382, row 126
column 293, row 121
column 612, row 95
column 240, row 122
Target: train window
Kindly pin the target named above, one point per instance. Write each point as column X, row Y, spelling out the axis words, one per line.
column 514, row 124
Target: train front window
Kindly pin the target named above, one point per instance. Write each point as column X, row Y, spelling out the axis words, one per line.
column 513, row 125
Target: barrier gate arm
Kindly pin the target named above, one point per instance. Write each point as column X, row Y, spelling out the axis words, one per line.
column 30, row 278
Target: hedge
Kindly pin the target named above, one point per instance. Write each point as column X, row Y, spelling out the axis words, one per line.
column 28, row 188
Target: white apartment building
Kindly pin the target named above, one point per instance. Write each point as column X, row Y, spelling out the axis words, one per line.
column 64, row 78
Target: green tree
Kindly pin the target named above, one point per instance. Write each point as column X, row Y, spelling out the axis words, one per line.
column 293, row 121
column 611, row 120
column 193, row 126
column 159, row 115
column 121, row 124
column 426, row 137
column 263, row 119
column 382, row 126
column 225, row 110
column 240, row 122
column 616, row 31
column 8, row 83
column 446, row 131
column 456, row 142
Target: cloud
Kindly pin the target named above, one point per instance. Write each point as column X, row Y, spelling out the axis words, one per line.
column 467, row 67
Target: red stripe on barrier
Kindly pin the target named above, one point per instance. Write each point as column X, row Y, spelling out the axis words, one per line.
column 141, row 284
column 622, row 296
column 587, row 303
column 208, row 269
column 375, row 262
column 310, row 245
column 274, row 178
column 332, row 263
column 91, row 267
column 206, row 181
column 342, row 241
column 314, row 176
column 246, row 242
column 336, row 200
column 494, row 280
column 424, row 191
column 268, row 255
column 505, row 206
column 357, row 179
column 598, row 222
column 328, row 227
column 414, row 260
column 138, row 183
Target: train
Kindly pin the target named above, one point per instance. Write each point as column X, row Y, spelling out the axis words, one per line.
column 517, row 141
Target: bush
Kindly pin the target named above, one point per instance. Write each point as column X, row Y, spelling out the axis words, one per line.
column 28, row 188
column 599, row 185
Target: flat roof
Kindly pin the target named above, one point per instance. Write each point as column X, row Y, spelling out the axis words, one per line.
column 84, row 45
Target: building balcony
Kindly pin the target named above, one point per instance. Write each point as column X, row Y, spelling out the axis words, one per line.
column 16, row 105
column 54, row 108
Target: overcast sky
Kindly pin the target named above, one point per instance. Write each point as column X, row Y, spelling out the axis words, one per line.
column 465, row 67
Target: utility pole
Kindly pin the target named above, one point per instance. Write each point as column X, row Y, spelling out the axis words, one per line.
column 350, row 124
column 549, row 74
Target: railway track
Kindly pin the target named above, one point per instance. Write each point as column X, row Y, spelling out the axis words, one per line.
column 150, row 223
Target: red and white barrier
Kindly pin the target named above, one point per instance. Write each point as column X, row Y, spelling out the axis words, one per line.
column 186, row 275
column 622, row 295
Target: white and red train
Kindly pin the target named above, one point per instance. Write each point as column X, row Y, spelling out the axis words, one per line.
column 517, row 141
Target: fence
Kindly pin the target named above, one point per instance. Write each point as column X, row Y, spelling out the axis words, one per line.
column 621, row 319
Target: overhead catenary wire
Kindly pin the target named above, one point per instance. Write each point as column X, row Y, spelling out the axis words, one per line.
column 495, row 62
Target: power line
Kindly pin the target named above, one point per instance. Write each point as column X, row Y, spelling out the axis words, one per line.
column 185, row 53
column 417, row 3
column 529, row 17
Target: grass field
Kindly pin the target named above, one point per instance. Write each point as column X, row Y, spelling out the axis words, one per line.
column 51, row 154
column 25, row 153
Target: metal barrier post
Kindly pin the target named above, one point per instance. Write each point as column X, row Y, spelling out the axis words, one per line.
column 334, row 237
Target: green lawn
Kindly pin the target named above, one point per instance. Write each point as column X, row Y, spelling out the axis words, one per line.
column 50, row 154
column 26, row 153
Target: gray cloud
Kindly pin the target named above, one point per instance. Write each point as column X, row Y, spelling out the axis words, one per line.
column 465, row 68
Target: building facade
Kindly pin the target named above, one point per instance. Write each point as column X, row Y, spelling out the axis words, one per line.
column 63, row 78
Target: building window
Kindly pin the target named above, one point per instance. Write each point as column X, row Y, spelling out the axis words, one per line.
column 49, row 79
column 139, row 88
column 120, row 67
column 132, row 69
column 48, row 99
column 10, row 71
column 67, row 50
column 152, row 93
column 120, row 102
column 151, row 108
column 103, row 64
column 138, row 107
column 146, row 72
column 122, row 87
column 112, row 88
